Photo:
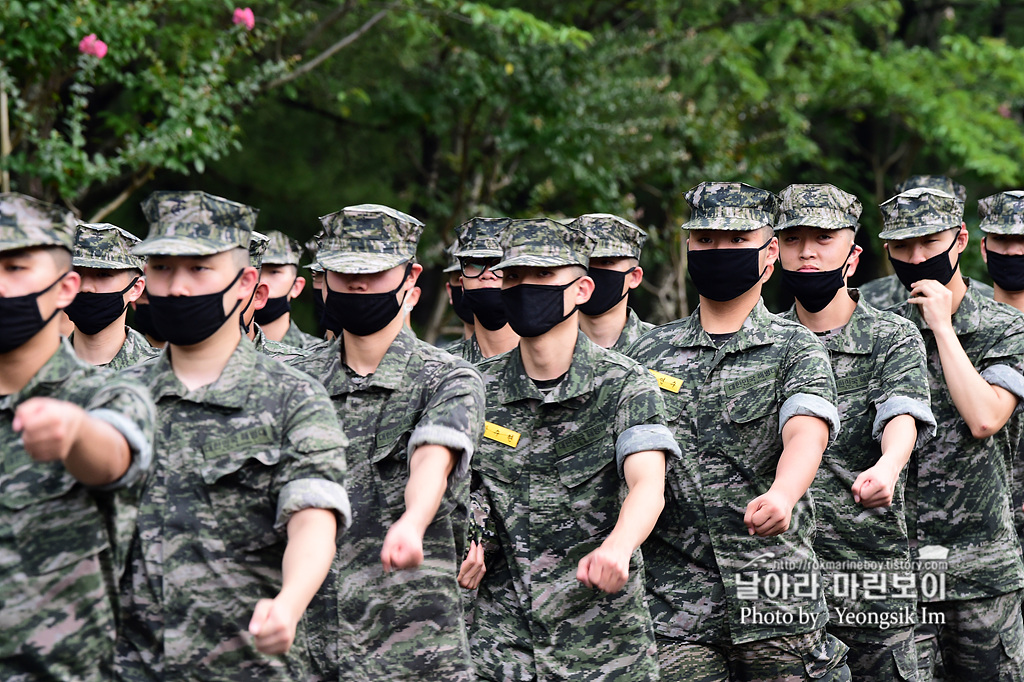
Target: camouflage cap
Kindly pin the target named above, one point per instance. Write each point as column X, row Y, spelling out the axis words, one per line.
column 453, row 262
column 616, row 237
column 313, row 247
column 919, row 212
column 819, row 205
column 282, row 249
column 1002, row 213
column 258, row 243
column 478, row 237
column 194, row 224
column 939, row 182
column 25, row 222
column 367, row 238
column 106, row 247
column 543, row 242
column 730, row 206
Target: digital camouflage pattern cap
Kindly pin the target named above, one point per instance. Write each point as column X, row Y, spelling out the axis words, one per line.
column 818, row 205
column 939, row 182
column 26, row 221
column 730, row 206
column 541, row 242
column 282, row 249
column 367, row 238
column 478, row 237
column 616, row 237
column 106, row 247
column 1002, row 213
column 258, row 243
column 919, row 212
column 194, row 224
column 453, row 262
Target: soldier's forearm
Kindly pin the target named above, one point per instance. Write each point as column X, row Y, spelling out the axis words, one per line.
column 898, row 439
column 804, row 440
column 645, row 475
column 307, row 556
column 429, row 468
column 100, row 453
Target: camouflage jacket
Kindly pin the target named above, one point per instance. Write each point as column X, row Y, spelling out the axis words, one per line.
column 634, row 329
column 57, row 537
column 551, row 468
column 879, row 365
column 727, row 407
column 407, row 624
column 134, row 350
column 959, row 510
column 281, row 352
column 298, row 338
column 467, row 349
column 235, row 459
column 886, row 292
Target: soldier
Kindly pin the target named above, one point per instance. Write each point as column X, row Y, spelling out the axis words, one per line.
column 478, row 250
column 71, row 436
column 884, row 406
column 1002, row 248
column 455, row 292
column 111, row 279
column 961, row 522
column 237, row 523
column 280, row 272
column 731, row 573
column 615, row 268
column 413, row 414
column 570, row 427
column 886, row 292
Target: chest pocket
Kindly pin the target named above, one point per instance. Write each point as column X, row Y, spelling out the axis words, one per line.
column 586, row 467
column 54, row 523
column 753, row 405
column 241, row 494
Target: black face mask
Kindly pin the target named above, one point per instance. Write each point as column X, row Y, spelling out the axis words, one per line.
column 241, row 315
column 814, row 290
column 724, row 274
column 362, row 314
column 1007, row 271
column 488, row 307
column 188, row 320
column 274, row 309
column 92, row 312
column 607, row 290
column 534, row 309
column 937, row 267
column 461, row 306
column 318, row 309
column 144, row 322
column 22, row 319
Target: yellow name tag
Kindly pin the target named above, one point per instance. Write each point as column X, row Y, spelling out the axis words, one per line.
column 667, row 383
column 501, row 434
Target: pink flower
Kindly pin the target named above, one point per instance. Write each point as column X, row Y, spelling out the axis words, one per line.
column 244, row 17
column 90, row 44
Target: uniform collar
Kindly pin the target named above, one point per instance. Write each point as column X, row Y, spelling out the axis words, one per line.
column 390, row 374
column 514, row 384
column 230, row 390
column 754, row 331
column 966, row 320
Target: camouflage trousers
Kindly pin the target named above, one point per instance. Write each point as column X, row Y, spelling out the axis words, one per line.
column 980, row 640
column 793, row 658
column 879, row 655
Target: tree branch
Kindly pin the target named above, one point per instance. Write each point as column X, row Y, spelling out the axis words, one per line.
column 138, row 181
column 329, row 52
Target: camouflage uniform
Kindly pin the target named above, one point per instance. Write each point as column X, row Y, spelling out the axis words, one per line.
column 887, row 292
column 879, row 365
column 959, row 516
column 719, row 596
column 235, row 459
column 634, row 329
column 57, row 558
column 552, row 477
column 1003, row 213
column 283, row 250
column 108, row 247
column 404, row 625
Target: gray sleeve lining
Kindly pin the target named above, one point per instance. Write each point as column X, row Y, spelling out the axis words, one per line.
column 810, row 405
column 312, row 493
column 140, row 446
column 642, row 438
column 453, row 439
column 897, row 405
column 1006, row 377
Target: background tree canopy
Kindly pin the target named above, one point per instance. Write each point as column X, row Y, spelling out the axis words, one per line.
column 449, row 109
